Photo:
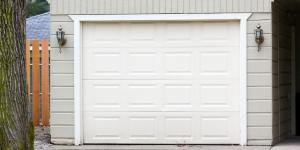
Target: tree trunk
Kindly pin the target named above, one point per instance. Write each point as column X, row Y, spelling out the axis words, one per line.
column 16, row 130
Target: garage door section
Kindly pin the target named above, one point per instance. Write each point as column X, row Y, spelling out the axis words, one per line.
column 161, row 82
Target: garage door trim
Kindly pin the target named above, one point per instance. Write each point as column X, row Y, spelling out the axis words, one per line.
column 79, row 19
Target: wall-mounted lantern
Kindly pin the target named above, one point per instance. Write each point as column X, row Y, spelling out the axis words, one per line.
column 259, row 36
column 62, row 40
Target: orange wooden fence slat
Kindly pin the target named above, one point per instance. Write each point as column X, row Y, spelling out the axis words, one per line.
column 28, row 68
column 35, row 83
column 45, row 83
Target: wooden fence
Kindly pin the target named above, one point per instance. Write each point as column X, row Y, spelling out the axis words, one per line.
column 37, row 67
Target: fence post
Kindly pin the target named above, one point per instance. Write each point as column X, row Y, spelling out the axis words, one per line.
column 45, row 83
column 36, row 82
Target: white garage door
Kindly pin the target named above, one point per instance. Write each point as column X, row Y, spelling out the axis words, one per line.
column 161, row 82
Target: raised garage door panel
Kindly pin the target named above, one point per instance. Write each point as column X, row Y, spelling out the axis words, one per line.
column 161, row 82
column 160, row 34
column 161, row 127
column 161, row 63
column 160, row 95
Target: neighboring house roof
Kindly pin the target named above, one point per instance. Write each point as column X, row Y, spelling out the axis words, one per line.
column 38, row 27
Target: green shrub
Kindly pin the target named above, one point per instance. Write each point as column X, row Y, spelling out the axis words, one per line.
column 36, row 7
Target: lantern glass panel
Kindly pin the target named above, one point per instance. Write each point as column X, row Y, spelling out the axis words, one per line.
column 62, row 35
column 258, row 34
column 59, row 35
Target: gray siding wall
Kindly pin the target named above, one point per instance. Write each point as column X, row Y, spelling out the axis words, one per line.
column 62, row 83
column 275, row 39
column 259, row 82
column 281, row 34
column 157, row 6
column 259, row 88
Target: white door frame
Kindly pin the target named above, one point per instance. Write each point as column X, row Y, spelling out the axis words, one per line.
column 79, row 19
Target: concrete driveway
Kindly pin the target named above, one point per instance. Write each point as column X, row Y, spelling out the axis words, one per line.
column 288, row 144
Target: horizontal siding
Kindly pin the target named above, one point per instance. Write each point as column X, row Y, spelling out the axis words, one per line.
column 62, row 93
column 62, row 141
column 68, row 27
column 284, row 73
column 259, row 120
column 262, row 133
column 259, row 78
column 69, row 44
column 276, row 119
column 62, row 106
column 259, row 142
column 267, row 40
column 263, row 93
column 62, row 80
column 281, row 47
column 262, row 80
column 260, row 17
column 259, row 63
column 62, row 132
column 60, row 18
column 259, row 66
column 65, row 119
column 59, row 7
column 259, row 106
column 264, row 25
column 67, row 54
column 264, row 54
column 62, row 67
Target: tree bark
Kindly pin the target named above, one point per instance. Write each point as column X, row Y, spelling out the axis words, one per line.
column 16, row 129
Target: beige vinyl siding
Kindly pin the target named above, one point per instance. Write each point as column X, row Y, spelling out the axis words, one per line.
column 284, row 74
column 59, row 7
column 62, row 80
column 68, row 134
column 62, row 83
column 259, row 82
column 281, row 48
column 68, row 27
column 260, row 64
column 264, row 136
column 263, row 119
column 67, row 55
column 65, row 106
column 259, row 106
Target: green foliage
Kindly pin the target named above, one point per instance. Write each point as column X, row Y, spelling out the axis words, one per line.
column 36, row 7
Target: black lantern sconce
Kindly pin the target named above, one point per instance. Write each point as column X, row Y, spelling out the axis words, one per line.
column 62, row 40
column 259, row 36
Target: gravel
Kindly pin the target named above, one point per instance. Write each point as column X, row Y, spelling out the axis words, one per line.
column 42, row 140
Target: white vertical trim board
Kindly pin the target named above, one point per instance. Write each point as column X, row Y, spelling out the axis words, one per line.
column 243, row 81
column 78, row 19
column 77, row 83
